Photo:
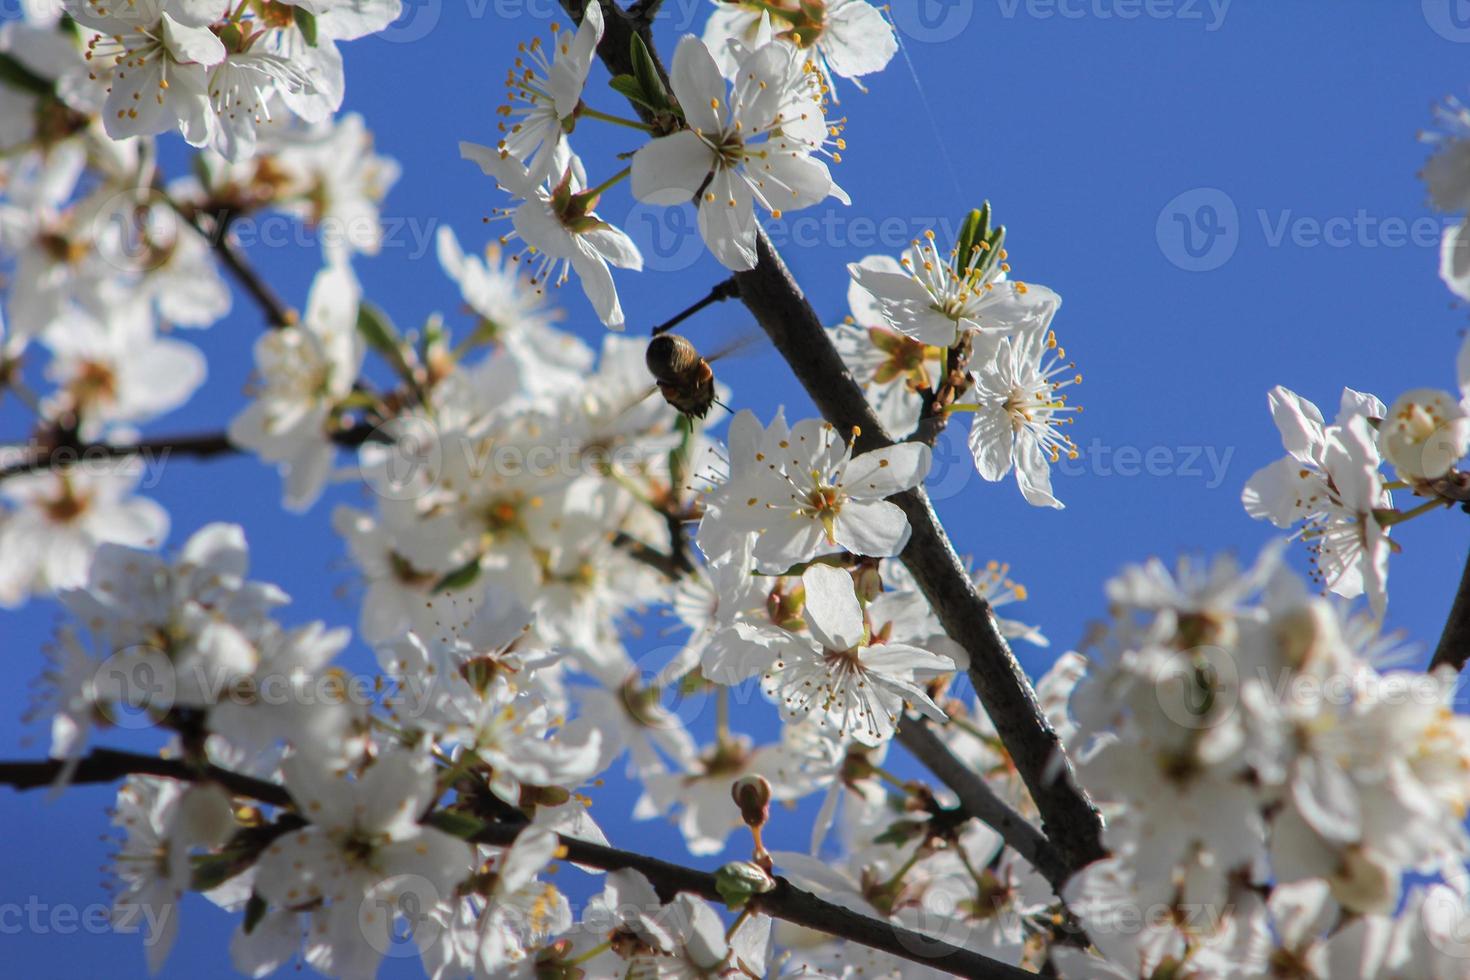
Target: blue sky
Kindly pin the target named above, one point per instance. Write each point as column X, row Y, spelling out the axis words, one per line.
column 1225, row 195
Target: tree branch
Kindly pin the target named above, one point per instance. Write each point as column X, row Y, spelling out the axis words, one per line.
column 277, row 313
column 199, row 445
column 981, row 802
column 1454, row 642
column 786, row 901
column 110, row 765
column 779, row 306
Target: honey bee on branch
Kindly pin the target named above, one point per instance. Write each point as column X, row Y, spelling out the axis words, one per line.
column 683, row 376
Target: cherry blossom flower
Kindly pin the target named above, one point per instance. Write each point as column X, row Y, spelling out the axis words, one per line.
column 938, row 300
column 551, row 92
column 758, row 148
column 856, row 686
column 850, row 38
column 892, row 367
column 337, row 184
column 60, row 517
column 151, row 57
column 118, row 369
column 1426, row 431
column 364, row 834
column 307, row 370
column 1020, row 411
column 512, row 313
column 559, row 223
column 810, row 496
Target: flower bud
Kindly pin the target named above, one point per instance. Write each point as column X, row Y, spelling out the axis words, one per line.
column 752, row 794
column 740, row 881
column 1424, row 434
column 206, row 816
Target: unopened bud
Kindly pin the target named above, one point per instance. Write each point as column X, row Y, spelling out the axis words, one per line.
column 740, row 881
column 752, row 794
column 868, row 581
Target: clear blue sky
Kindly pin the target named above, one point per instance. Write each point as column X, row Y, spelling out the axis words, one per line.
column 1083, row 126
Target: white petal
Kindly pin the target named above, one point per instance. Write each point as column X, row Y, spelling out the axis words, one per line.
column 832, row 611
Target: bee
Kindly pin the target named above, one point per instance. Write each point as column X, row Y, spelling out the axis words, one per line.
column 684, row 378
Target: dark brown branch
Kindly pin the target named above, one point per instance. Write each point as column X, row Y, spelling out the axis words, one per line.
column 109, row 765
column 1069, row 819
column 200, row 445
column 981, row 802
column 1454, row 642
column 217, row 233
column 785, row 902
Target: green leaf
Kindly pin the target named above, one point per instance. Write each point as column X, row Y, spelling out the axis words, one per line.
column 900, row 832
column 306, row 21
column 378, row 330
column 17, row 75
column 628, row 87
column 460, row 577
column 456, row 822
column 212, row 870
column 645, row 72
column 970, row 235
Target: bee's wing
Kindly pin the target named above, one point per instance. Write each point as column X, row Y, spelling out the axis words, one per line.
column 739, row 344
column 636, row 401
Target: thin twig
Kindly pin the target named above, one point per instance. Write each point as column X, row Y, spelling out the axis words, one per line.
column 727, row 289
column 786, row 901
column 981, row 802
column 200, row 445
column 277, row 313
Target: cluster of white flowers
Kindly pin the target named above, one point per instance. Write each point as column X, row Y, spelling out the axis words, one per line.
column 1277, row 801
column 1331, row 481
column 1270, row 786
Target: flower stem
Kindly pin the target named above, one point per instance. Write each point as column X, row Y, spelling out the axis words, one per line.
column 591, row 113
column 597, row 191
column 592, row 953
column 739, row 921
column 1398, row 517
